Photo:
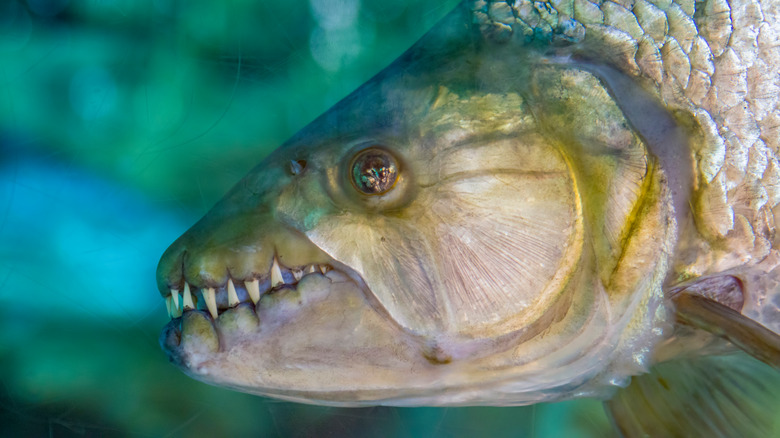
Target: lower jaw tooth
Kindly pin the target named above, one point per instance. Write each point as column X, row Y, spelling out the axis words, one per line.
column 209, row 296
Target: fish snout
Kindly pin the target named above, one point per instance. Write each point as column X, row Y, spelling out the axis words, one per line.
column 226, row 260
column 240, row 247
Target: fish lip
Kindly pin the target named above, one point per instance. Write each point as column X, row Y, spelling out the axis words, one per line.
column 170, row 342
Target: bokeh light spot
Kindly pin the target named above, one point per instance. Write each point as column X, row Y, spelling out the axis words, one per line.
column 335, row 14
column 333, row 50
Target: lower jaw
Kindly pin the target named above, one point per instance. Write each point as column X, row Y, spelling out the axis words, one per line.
column 209, row 349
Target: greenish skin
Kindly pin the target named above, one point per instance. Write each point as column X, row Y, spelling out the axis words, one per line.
column 527, row 249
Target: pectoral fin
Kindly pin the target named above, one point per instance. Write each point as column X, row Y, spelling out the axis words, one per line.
column 708, row 396
column 707, row 314
column 731, row 395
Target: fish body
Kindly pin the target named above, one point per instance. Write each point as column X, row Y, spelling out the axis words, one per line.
column 529, row 205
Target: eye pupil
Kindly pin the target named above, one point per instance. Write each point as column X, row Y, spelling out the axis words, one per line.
column 374, row 171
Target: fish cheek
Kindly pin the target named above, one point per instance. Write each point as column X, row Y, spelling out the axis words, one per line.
column 627, row 205
column 464, row 257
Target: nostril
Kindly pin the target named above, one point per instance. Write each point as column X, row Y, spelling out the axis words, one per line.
column 297, row 166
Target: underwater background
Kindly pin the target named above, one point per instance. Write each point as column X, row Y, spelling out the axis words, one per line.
column 121, row 123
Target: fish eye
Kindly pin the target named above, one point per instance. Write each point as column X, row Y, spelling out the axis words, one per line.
column 373, row 171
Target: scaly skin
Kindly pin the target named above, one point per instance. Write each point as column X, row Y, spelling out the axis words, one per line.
column 547, row 156
column 714, row 64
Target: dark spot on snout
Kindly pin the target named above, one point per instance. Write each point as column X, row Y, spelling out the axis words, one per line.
column 435, row 355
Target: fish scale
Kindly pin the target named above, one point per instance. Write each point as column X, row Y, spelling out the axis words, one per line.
column 712, row 59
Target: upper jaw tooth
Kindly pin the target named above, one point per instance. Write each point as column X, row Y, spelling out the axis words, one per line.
column 179, row 301
column 175, row 310
column 276, row 274
column 253, row 289
column 175, row 296
column 232, row 296
column 187, row 301
column 209, row 296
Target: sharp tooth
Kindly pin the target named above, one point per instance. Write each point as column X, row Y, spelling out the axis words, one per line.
column 168, row 305
column 187, row 301
column 276, row 274
column 211, row 301
column 232, row 296
column 175, row 295
column 253, row 287
column 298, row 274
column 324, row 269
column 175, row 312
column 311, row 269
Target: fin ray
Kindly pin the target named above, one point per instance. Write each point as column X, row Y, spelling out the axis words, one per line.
column 709, row 315
column 708, row 396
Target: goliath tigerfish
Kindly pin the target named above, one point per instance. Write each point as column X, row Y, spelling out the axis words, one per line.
column 536, row 202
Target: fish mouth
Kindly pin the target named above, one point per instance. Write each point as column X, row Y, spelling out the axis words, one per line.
column 303, row 332
column 217, row 299
column 214, row 315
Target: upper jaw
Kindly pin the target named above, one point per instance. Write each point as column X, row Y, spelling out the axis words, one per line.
column 224, row 284
column 216, row 299
column 242, row 247
column 241, row 259
column 239, row 250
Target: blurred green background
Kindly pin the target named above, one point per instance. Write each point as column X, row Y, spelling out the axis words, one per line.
column 121, row 123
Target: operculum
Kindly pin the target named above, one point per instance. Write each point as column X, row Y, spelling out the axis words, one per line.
column 626, row 202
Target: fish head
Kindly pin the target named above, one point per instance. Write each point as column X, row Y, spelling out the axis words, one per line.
column 459, row 230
